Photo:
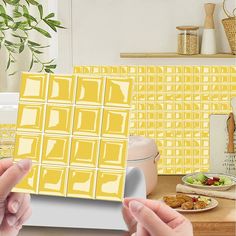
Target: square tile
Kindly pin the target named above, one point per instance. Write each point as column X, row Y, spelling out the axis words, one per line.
column 87, row 121
column 90, row 91
column 30, row 117
column 118, row 92
column 70, row 134
column 115, row 123
column 55, row 149
column 164, row 84
column 29, row 184
column 110, row 185
column 58, row 119
column 84, row 152
column 53, row 180
column 61, row 88
column 113, row 153
column 27, row 146
column 81, row 183
column 33, row 87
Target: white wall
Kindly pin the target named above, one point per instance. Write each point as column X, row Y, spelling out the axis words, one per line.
column 101, row 29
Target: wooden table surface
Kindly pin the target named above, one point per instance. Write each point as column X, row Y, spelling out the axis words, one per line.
column 220, row 221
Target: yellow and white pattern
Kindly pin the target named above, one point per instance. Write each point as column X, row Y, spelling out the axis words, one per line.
column 172, row 105
column 75, row 130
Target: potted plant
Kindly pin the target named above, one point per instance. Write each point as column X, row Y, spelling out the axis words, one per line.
column 25, row 30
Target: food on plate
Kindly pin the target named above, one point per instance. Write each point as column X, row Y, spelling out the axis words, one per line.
column 187, row 206
column 173, row 201
column 200, row 205
column 185, row 197
column 201, row 179
column 187, row 202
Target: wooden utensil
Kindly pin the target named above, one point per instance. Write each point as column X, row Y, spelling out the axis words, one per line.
column 231, row 129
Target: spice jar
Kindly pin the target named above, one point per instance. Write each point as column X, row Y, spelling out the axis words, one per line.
column 188, row 40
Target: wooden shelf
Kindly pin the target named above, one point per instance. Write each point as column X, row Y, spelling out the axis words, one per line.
column 174, row 55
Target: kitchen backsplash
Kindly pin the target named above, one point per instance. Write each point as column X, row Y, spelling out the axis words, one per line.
column 172, row 105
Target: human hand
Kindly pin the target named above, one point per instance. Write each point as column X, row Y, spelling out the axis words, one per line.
column 152, row 218
column 14, row 207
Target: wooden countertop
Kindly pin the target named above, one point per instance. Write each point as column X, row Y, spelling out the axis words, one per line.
column 219, row 221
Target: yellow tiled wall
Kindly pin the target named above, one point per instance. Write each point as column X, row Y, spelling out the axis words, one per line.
column 172, row 104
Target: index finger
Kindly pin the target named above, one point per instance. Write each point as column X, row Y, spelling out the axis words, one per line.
column 5, row 164
column 166, row 213
column 12, row 176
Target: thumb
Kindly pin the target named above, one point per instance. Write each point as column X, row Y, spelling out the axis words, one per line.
column 149, row 220
column 12, row 176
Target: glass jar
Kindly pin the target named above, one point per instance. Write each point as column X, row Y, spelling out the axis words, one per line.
column 8, row 118
column 188, row 40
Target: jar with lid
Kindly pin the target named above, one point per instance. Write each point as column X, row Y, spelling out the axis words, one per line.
column 188, row 40
column 8, row 117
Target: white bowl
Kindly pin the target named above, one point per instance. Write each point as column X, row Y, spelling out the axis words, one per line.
column 217, row 188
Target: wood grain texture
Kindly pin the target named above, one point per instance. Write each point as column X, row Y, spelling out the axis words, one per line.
column 214, row 229
column 174, row 55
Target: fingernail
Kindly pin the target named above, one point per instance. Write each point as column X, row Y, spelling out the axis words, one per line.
column 24, row 164
column 135, row 206
column 11, row 220
column 15, row 206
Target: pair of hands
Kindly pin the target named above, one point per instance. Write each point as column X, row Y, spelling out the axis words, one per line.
column 145, row 217
column 14, row 207
column 152, row 218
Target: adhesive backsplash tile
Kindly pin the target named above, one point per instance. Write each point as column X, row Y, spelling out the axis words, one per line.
column 75, row 130
column 172, row 104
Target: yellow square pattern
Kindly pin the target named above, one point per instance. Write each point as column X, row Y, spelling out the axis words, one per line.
column 81, row 183
column 75, row 130
column 172, row 105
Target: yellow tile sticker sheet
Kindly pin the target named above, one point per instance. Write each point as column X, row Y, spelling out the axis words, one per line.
column 75, row 130
column 172, row 105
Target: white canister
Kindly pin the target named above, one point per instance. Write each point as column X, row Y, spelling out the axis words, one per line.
column 143, row 153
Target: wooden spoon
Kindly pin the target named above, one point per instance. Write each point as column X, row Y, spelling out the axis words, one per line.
column 231, row 129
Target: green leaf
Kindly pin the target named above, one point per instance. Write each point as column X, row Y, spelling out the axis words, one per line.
column 37, row 51
column 2, row 9
column 31, row 64
column 29, row 17
column 12, row 2
column 6, row 17
column 51, row 15
column 51, row 66
column 25, row 10
column 40, row 8
column 48, row 71
column 16, row 13
column 43, row 32
column 33, row 43
column 33, row 2
column 9, row 43
column 16, row 26
column 55, row 22
column 8, row 63
column 50, row 25
column 21, row 48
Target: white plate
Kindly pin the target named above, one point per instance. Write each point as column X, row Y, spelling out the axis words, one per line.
column 217, row 188
column 213, row 204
